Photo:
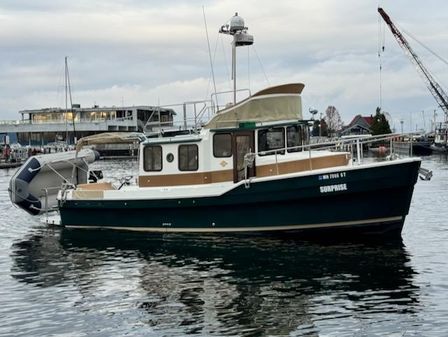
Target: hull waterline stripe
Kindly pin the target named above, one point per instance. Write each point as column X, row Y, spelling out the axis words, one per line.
column 240, row 229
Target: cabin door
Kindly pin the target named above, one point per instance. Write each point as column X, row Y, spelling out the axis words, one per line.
column 243, row 143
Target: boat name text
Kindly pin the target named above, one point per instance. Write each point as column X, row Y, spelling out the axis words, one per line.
column 333, row 188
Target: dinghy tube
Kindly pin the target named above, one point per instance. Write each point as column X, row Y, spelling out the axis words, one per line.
column 35, row 185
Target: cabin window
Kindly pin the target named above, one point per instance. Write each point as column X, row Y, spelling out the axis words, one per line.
column 188, row 157
column 305, row 135
column 270, row 140
column 222, row 145
column 169, row 157
column 294, row 138
column 152, row 158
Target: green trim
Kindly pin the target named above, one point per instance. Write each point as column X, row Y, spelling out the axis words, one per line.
column 247, row 125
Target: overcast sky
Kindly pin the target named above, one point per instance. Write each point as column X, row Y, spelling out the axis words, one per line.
column 144, row 52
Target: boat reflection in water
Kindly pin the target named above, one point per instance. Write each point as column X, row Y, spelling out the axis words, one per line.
column 221, row 285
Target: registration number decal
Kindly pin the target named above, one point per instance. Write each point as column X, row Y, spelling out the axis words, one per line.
column 336, row 175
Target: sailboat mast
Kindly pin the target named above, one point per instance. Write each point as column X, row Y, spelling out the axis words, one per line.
column 68, row 97
column 66, row 100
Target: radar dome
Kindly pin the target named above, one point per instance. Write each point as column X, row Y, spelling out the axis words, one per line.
column 236, row 23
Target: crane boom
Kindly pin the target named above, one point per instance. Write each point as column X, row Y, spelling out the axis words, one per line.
column 436, row 90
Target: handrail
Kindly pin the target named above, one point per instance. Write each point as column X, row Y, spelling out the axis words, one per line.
column 338, row 144
column 216, row 94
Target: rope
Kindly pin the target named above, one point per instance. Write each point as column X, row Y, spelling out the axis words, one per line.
column 262, row 68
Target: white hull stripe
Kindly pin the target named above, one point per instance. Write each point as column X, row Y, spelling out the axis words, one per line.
column 240, row 229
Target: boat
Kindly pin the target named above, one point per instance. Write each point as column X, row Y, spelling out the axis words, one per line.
column 249, row 169
column 422, row 144
column 440, row 144
column 35, row 185
column 12, row 155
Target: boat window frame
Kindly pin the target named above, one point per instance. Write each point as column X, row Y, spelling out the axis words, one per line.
column 230, row 142
column 300, row 133
column 179, row 156
column 305, row 136
column 145, row 168
column 271, row 152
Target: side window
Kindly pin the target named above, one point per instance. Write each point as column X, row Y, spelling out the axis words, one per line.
column 152, row 158
column 222, row 145
column 305, row 135
column 188, row 157
column 294, row 138
column 271, row 139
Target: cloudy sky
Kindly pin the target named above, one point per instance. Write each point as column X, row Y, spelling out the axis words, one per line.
column 148, row 52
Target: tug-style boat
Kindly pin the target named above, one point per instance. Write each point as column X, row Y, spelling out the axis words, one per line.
column 249, row 169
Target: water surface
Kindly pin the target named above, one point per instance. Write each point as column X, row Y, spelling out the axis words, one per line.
column 55, row 282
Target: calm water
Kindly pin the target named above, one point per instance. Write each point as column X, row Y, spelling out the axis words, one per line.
column 55, row 282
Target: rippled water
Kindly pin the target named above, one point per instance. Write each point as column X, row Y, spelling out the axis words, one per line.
column 55, row 282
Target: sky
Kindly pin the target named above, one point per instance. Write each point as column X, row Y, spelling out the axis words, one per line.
column 144, row 52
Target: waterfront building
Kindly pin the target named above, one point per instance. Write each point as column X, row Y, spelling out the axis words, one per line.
column 43, row 126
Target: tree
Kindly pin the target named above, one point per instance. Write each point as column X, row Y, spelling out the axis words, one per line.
column 323, row 128
column 319, row 128
column 315, row 129
column 333, row 120
column 380, row 125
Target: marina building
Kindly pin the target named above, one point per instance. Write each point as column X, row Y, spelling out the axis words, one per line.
column 43, row 126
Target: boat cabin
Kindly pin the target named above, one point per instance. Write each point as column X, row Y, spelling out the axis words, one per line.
column 262, row 136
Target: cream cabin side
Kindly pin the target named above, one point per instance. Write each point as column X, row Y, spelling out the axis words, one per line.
column 229, row 155
column 195, row 159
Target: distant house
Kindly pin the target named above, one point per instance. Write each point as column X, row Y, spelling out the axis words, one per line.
column 360, row 125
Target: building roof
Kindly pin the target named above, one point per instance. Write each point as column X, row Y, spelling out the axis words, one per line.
column 358, row 119
column 358, row 124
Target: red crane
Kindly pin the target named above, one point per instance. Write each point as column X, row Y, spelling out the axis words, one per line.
column 434, row 87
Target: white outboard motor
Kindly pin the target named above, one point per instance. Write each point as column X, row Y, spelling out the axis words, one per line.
column 35, row 185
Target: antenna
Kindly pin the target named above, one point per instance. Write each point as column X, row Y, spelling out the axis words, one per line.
column 210, row 55
column 237, row 29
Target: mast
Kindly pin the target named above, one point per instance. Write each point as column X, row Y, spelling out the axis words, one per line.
column 66, row 101
column 237, row 29
column 436, row 90
column 68, row 96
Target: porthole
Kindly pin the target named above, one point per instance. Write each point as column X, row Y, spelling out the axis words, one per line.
column 169, row 157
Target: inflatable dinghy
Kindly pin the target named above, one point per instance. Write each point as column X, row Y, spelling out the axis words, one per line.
column 35, row 185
